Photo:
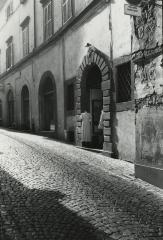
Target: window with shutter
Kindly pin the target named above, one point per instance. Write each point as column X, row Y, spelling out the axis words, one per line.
column 9, row 10
column 48, row 20
column 25, row 35
column 66, row 10
column 9, row 55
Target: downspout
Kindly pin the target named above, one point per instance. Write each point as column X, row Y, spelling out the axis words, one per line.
column 33, row 79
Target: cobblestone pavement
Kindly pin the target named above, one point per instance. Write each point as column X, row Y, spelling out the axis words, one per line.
column 51, row 190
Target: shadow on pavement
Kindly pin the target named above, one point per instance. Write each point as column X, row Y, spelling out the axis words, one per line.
column 27, row 214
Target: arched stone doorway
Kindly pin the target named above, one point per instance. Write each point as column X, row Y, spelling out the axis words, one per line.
column 92, row 90
column 25, row 108
column 48, row 103
column 10, row 104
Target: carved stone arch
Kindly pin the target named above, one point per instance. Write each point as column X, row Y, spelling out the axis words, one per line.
column 95, row 57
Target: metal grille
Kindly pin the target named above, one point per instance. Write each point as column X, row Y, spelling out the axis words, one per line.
column 124, row 82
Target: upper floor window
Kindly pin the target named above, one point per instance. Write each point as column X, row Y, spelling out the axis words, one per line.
column 66, row 10
column 9, row 53
column 25, row 35
column 9, row 10
column 48, row 20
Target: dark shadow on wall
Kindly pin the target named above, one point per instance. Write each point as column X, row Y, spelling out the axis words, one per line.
column 39, row 214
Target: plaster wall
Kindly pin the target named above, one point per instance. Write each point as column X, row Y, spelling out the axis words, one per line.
column 124, row 135
column 87, row 32
column 121, row 29
column 12, row 28
column 57, row 24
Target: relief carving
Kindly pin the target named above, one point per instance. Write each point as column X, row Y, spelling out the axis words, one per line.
column 145, row 25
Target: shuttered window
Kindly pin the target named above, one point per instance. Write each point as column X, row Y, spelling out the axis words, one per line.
column 9, row 55
column 9, row 10
column 25, row 36
column 48, row 20
column 66, row 10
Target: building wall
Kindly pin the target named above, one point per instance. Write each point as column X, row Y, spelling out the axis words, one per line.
column 98, row 25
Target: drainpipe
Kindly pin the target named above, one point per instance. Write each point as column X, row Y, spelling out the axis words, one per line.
column 34, row 20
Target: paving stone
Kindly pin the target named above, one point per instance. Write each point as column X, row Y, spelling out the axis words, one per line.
column 50, row 190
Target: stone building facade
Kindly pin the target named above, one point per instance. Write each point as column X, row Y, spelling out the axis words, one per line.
column 70, row 55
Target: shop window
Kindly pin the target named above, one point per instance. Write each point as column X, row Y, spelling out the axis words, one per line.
column 66, row 10
column 70, row 97
column 48, row 20
column 123, row 89
column 9, row 53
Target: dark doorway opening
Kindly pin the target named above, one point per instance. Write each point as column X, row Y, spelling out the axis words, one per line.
column 92, row 99
column 48, row 109
column 25, row 109
column 10, row 103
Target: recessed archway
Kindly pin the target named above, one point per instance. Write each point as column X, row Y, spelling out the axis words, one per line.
column 25, row 109
column 10, row 106
column 92, row 100
column 48, row 103
column 94, row 74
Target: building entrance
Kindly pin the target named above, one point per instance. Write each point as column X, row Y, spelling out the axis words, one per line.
column 10, row 101
column 92, row 99
column 48, row 109
column 25, row 109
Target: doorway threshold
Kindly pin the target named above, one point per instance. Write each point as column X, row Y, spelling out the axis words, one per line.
column 96, row 150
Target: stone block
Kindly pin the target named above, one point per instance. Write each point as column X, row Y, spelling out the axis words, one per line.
column 107, row 146
column 78, row 111
column 78, row 105
column 105, row 78
column 77, row 86
column 106, row 115
column 107, row 131
column 106, row 93
column 106, row 100
column 107, row 123
column 106, row 108
column 105, row 71
column 78, row 92
column 105, row 85
column 106, row 138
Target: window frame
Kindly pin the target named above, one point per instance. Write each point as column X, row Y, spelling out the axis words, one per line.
column 9, row 10
column 9, row 57
column 72, row 10
column 25, row 40
column 49, row 21
column 127, row 105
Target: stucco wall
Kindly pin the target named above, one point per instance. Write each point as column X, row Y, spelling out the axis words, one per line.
column 12, row 28
column 124, row 135
column 87, row 32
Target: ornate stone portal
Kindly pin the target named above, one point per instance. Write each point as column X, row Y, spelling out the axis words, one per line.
column 95, row 57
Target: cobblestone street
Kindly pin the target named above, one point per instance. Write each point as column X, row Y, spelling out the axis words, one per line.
column 51, row 190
